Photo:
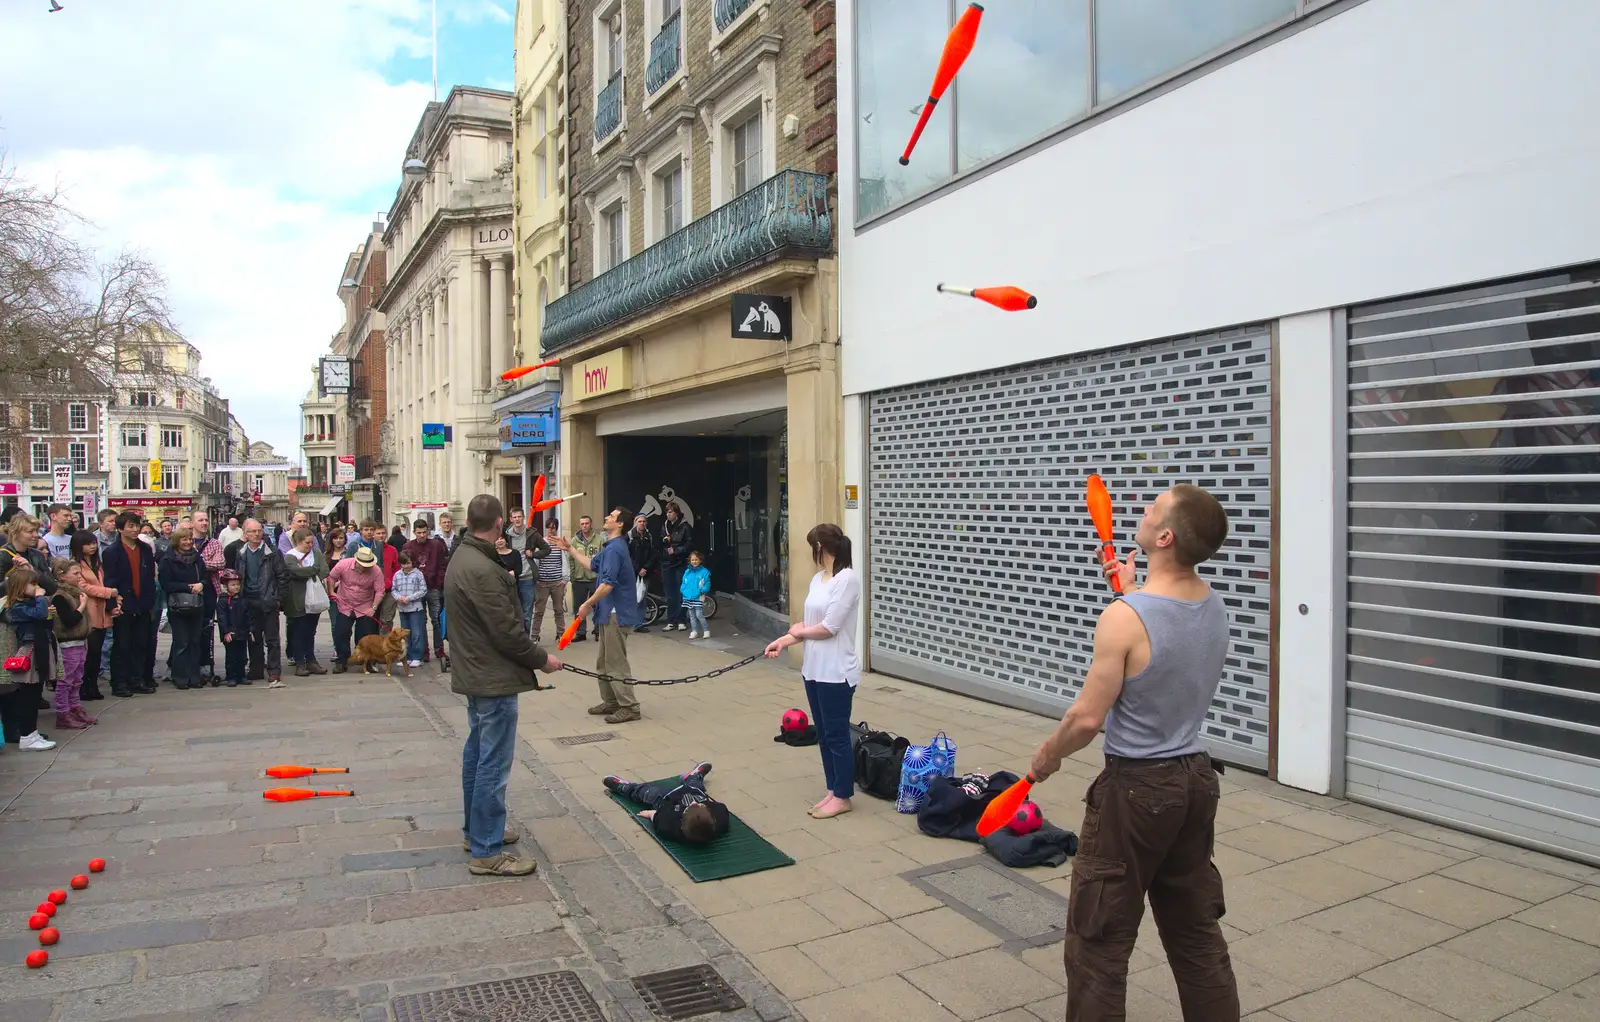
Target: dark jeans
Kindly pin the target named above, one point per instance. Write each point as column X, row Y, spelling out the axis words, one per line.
column 672, row 589
column 188, row 646
column 301, row 641
column 435, row 607
column 19, row 711
column 830, row 711
column 1147, row 831
column 346, row 630
column 581, row 591
column 652, row 795
column 264, row 619
column 133, row 652
column 91, row 667
column 237, row 652
column 341, row 633
column 485, row 770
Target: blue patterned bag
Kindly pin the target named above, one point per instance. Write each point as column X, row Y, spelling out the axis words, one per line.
column 922, row 764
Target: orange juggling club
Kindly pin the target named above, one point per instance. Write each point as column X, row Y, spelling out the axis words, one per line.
column 1100, row 511
column 1005, row 806
column 545, row 505
column 296, row 794
column 538, row 488
column 957, row 45
column 1011, row 299
column 572, row 630
column 289, row 770
column 520, row 371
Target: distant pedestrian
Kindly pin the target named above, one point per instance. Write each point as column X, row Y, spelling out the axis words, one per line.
column 615, row 606
column 495, row 662
column 410, row 591
column 694, row 586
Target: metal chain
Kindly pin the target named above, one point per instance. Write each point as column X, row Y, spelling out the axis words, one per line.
column 747, row 661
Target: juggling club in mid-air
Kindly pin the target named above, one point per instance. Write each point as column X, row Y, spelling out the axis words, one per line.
column 957, row 45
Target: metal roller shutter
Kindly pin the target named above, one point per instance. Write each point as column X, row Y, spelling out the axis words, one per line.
column 984, row 575
column 1473, row 637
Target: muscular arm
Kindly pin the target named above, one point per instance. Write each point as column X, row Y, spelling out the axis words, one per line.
column 1115, row 636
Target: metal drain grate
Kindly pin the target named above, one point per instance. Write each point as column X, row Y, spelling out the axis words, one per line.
column 685, row 993
column 600, row 736
column 548, row 997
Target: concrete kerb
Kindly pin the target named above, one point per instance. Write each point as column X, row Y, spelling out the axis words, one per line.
column 612, row 982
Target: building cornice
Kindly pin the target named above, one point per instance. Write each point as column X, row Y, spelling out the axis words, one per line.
column 441, row 221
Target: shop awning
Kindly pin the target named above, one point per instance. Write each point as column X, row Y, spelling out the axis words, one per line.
column 333, row 502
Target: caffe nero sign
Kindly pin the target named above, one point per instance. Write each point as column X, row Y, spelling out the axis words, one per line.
column 762, row 317
column 527, row 431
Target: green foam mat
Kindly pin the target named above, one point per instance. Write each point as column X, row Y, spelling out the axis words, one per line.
column 739, row 851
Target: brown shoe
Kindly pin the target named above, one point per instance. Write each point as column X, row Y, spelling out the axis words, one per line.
column 602, row 709
column 511, row 837
column 502, row 865
column 623, row 715
column 316, row 668
column 302, row 671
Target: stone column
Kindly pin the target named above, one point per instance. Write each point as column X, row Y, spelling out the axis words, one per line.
column 582, row 467
column 478, row 346
column 498, row 350
column 813, row 469
column 441, row 337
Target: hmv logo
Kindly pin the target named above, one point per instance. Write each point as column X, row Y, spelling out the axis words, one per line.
column 594, row 380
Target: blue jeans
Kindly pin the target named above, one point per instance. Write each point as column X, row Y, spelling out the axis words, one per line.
column 671, row 587
column 830, row 711
column 436, row 618
column 485, row 770
column 697, row 616
column 415, row 622
column 525, row 594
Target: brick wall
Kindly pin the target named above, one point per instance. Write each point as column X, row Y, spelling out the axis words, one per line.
column 21, row 436
column 805, row 88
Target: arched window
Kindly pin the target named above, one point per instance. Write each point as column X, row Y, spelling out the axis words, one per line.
column 136, row 479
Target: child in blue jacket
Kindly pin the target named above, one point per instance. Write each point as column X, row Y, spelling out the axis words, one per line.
column 696, row 583
column 27, row 614
column 233, row 621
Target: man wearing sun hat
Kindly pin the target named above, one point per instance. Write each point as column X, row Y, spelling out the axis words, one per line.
column 356, row 587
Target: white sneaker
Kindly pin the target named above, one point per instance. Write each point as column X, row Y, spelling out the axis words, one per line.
column 706, row 634
column 413, row 663
column 694, row 635
column 35, row 743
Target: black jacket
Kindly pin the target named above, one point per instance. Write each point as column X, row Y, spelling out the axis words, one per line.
column 668, row 818
column 233, row 617
column 273, row 581
column 37, row 559
column 176, row 577
column 118, row 575
column 642, row 549
column 680, row 538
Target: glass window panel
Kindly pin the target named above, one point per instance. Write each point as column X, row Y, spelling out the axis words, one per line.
column 747, row 154
column 1027, row 75
column 1138, row 41
column 898, row 44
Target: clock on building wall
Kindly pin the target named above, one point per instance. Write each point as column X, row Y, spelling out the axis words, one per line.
column 335, row 376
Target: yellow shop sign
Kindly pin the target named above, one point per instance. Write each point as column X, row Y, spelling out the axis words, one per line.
column 604, row 374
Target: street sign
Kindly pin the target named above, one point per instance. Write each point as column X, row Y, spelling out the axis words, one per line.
column 63, row 480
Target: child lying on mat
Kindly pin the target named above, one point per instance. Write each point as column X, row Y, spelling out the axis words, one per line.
column 684, row 813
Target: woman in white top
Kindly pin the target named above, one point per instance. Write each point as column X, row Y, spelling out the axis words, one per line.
column 830, row 667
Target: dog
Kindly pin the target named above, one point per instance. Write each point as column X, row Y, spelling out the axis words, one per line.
column 381, row 649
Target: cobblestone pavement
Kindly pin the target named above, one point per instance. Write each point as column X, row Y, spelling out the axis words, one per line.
column 221, row 906
column 218, row 905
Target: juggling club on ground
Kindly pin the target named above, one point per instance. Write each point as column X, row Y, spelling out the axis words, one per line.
column 285, row 771
column 957, row 45
column 1100, row 512
column 1005, row 806
column 296, row 794
column 1011, row 299
column 520, row 371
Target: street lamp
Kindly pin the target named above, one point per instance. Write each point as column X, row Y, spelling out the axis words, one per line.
column 414, row 170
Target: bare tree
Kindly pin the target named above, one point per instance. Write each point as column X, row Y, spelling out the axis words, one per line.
column 66, row 316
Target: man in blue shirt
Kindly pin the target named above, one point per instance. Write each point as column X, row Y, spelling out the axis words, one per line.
column 615, row 605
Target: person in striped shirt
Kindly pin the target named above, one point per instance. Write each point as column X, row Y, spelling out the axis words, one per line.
column 410, row 591
column 552, row 582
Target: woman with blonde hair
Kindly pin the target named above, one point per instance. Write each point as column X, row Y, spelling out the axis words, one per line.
column 181, row 575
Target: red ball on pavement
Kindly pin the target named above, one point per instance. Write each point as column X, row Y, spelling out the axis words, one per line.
column 97, row 865
column 36, row 959
column 46, row 908
column 79, row 882
column 38, row 921
column 57, row 896
column 49, row 935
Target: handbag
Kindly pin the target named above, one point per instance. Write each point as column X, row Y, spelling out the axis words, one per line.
column 185, row 603
column 878, row 756
column 922, row 764
column 316, row 597
column 19, row 663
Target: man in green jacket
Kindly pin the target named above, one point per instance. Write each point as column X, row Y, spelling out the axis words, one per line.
column 495, row 660
column 585, row 541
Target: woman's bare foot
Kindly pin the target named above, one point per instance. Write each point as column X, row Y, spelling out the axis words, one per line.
column 831, row 807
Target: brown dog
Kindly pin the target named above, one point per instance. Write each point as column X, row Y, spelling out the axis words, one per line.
column 381, row 649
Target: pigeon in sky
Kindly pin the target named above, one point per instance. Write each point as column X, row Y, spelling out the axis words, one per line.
column 54, row 7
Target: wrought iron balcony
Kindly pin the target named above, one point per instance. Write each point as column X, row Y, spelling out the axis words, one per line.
column 787, row 213
column 608, row 108
column 666, row 53
column 725, row 11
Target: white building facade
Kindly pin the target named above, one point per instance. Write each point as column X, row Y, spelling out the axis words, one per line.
column 1339, row 263
column 448, row 307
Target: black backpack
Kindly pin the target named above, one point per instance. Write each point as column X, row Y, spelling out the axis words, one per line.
column 878, row 756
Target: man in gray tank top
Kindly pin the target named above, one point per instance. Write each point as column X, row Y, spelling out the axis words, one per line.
column 1150, row 816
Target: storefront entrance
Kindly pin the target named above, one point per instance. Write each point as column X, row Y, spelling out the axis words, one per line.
column 732, row 489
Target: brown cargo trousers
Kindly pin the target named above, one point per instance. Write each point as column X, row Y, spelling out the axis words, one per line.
column 1148, row 826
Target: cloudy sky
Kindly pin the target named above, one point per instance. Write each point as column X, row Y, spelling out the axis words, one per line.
column 246, row 145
